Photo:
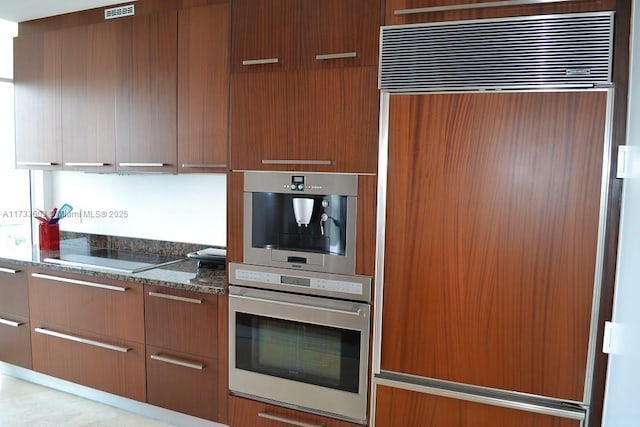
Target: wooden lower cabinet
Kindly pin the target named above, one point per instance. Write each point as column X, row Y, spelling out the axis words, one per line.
column 398, row 407
column 250, row 413
column 15, row 342
column 182, row 382
column 106, row 364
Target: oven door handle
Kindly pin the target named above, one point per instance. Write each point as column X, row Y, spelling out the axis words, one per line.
column 357, row 312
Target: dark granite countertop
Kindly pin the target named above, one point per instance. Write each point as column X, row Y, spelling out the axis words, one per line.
column 182, row 274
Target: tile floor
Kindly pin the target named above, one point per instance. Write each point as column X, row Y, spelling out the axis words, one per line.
column 24, row 404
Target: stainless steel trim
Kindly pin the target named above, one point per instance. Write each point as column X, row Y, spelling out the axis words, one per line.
column 79, row 282
column 176, row 298
column 10, row 323
column 290, row 304
column 295, row 162
column 287, row 420
column 260, row 61
column 82, row 340
column 36, row 163
column 204, row 165
column 600, row 249
column 570, row 412
column 84, row 164
column 324, row 57
column 141, row 165
column 8, row 270
column 400, row 12
column 174, row 361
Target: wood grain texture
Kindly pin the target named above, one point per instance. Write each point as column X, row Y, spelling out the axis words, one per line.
column 113, row 314
column 492, row 222
column 339, row 26
column 366, row 231
column 203, row 87
column 14, row 295
column 235, row 216
column 146, row 98
column 181, row 388
column 15, row 342
column 107, row 370
column 182, row 326
column 263, row 29
column 480, row 13
column 244, row 413
column 397, row 407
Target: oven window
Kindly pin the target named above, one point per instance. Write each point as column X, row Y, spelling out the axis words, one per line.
column 313, row 354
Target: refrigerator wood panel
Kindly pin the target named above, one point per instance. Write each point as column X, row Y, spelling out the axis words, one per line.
column 491, row 234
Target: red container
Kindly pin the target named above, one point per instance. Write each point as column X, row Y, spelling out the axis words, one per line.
column 49, row 237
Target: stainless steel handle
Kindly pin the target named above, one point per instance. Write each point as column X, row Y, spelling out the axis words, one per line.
column 79, row 282
column 174, row 361
column 36, row 163
column 260, row 61
column 8, row 270
column 204, row 165
column 10, row 323
column 141, row 165
column 293, row 304
column 82, row 340
column 326, row 56
column 176, row 298
column 84, row 164
column 286, row 420
column 295, row 162
column 483, row 5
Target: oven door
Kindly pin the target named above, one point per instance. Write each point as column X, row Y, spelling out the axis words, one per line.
column 306, row 352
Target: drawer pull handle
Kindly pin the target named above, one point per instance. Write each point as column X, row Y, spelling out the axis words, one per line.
column 287, row 420
column 10, row 323
column 204, row 165
column 8, row 270
column 176, row 298
column 36, row 164
column 84, row 164
column 483, row 5
column 173, row 361
column 79, row 282
column 295, row 162
column 260, row 61
column 140, row 165
column 326, row 56
column 82, row 340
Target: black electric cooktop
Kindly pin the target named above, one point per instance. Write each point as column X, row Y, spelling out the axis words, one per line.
column 112, row 260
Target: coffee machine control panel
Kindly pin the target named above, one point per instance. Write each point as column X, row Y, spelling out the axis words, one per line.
column 297, row 183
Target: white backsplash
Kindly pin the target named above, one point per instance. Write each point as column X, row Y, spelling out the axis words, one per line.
column 179, row 208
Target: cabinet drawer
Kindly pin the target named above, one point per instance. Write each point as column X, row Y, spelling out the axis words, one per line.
column 182, row 382
column 107, row 364
column 15, row 342
column 249, row 413
column 181, row 320
column 88, row 303
column 14, row 298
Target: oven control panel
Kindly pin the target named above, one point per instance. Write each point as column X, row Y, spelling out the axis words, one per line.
column 322, row 284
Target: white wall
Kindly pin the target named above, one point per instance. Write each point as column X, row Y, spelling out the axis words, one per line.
column 622, row 398
column 178, row 208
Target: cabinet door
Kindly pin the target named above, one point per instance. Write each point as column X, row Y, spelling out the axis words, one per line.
column 146, row 129
column 398, row 407
column 203, row 88
column 15, row 340
column 337, row 33
column 259, row 119
column 37, row 101
column 334, row 120
column 265, row 35
column 14, row 296
column 88, row 97
column 182, row 321
column 490, row 261
column 249, row 413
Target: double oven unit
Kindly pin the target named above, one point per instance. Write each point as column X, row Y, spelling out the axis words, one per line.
column 299, row 316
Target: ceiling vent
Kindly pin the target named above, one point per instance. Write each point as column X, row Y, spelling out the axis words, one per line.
column 563, row 50
column 119, row 12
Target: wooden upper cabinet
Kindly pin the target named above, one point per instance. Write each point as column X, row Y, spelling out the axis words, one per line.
column 339, row 33
column 203, row 88
column 146, row 131
column 89, row 71
column 264, row 35
column 37, row 100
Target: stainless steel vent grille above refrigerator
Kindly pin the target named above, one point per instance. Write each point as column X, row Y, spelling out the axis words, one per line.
column 564, row 50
